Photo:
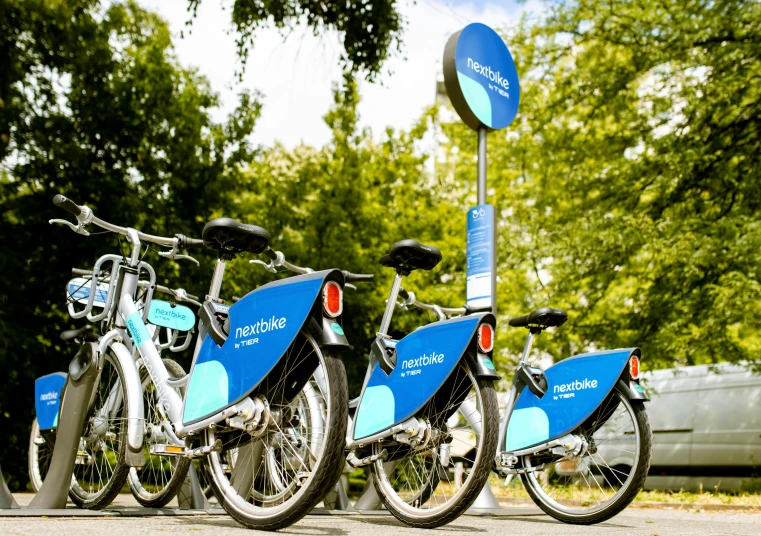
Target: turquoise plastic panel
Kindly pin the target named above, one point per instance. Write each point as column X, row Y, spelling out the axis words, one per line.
column 425, row 359
column 575, row 388
column 172, row 316
column 263, row 325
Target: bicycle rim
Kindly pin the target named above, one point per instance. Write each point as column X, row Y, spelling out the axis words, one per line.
column 40, row 454
column 100, row 470
column 272, row 480
column 595, row 482
column 429, row 483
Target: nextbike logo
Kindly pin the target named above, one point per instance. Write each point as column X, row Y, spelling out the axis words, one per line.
column 423, row 361
column 262, row 326
column 170, row 313
column 576, row 385
column 52, row 395
column 485, row 71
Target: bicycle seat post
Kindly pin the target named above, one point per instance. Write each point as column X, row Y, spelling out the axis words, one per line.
column 391, row 303
column 527, row 346
column 216, row 280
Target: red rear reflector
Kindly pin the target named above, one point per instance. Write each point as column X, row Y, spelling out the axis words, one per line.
column 634, row 367
column 332, row 299
column 485, row 337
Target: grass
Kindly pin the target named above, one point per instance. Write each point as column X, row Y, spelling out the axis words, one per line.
column 515, row 492
column 742, row 498
column 749, row 497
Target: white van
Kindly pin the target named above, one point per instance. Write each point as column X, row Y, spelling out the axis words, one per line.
column 706, row 423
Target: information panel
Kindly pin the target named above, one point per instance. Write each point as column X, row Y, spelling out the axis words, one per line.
column 481, row 260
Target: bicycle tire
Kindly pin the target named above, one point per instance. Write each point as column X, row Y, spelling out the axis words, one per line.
column 624, row 496
column 322, row 476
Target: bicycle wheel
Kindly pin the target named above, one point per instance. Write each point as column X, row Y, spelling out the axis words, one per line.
column 432, row 485
column 159, row 480
column 100, row 470
column 40, row 454
column 599, row 484
column 273, row 478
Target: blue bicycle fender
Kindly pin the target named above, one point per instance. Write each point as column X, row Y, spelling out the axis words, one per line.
column 263, row 325
column 425, row 359
column 47, row 399
column 575, row 388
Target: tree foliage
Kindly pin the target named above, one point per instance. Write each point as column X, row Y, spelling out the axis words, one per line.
column 627, row 189
column 630, row 182
column 370, row 29
column 96, row 106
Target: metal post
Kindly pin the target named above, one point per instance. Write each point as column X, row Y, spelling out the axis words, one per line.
column 482, row 201
column 6, row 498
column 482, row 166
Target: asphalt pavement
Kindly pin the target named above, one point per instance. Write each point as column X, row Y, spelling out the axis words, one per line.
column 515, row 521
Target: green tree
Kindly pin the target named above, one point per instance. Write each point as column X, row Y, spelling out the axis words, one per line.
column 370, row 29
column 629, row 184
column 342, row 206
column 96, row 106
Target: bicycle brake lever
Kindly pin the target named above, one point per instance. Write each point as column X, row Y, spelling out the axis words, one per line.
column 349, row 285
column 79, row 228
column 267, row 265
column 187, row 257
column 175, row 254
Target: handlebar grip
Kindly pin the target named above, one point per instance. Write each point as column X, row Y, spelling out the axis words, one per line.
column 270, row 254
column 67, row 204
column 518, row 321
column 80, row 271
column 348, row 276
column 404, row 294
column 186, row 242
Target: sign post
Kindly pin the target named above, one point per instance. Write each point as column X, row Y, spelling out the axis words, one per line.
column 482, row 84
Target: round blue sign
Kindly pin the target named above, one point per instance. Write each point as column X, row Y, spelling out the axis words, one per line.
column 480, row 77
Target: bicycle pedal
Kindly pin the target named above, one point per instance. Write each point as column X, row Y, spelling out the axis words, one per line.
column 162, row 449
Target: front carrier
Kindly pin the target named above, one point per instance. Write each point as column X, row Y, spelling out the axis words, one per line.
column 256, row 340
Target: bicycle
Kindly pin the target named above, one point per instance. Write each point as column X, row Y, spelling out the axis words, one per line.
column 577, row 434
column 256, row 398
column 406, row 427
column 567, row 447
column 48, row 390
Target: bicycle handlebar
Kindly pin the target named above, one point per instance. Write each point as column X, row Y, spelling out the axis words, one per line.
column 185, row 242
column 278, row 259
column 410, row 299
column 270, row 254
column 84, row 215
column 67, row 204
column 348, row 276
